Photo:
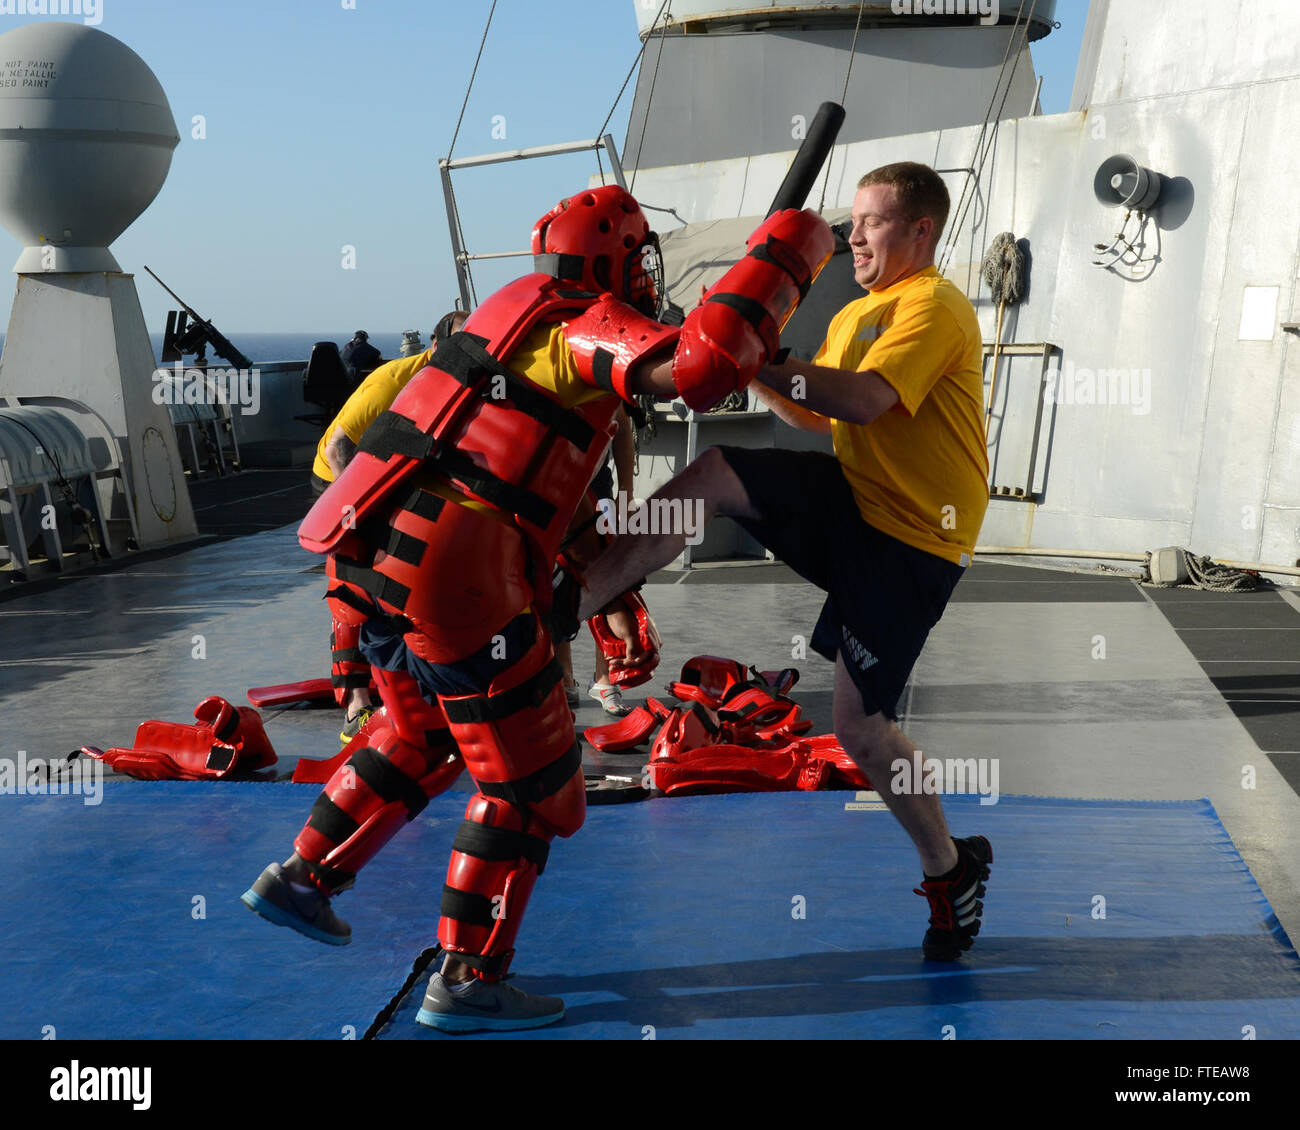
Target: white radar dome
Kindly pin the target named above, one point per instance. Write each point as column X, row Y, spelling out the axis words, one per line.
column 86, row 140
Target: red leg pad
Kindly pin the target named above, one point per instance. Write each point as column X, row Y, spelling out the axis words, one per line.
column 518, row 740
column 498, row 854
column 383, row 786
column 348, row 667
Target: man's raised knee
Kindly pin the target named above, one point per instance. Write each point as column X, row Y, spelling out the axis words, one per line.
column 720, row 486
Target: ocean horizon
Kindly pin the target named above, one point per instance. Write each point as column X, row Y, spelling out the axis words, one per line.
column 265, row 348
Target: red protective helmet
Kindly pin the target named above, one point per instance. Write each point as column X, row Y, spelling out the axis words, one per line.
column 601, row 240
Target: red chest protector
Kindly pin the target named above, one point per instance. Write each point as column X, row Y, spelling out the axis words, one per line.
column 497, row 437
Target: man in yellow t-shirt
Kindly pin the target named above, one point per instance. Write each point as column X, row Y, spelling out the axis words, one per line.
column 888, row 524
column 349, row 672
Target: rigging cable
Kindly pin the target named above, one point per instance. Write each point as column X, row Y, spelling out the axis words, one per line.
column 631, row 71
column 654, row 78
column 469, row 278
column 982, row 150
column 853, row 50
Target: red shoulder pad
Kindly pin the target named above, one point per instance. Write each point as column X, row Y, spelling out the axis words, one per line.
column 365, row 482
column 609, row 338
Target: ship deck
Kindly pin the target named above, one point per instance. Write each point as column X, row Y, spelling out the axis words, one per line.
column 1096, row 696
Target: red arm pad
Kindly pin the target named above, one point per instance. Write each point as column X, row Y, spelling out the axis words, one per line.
column 610, row 338
column 737, row 327
column 611, row 647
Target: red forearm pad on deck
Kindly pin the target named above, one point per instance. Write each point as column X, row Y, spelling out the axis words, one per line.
column 611, row 647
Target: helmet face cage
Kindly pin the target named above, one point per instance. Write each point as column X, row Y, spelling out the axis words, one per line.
column 643, row 277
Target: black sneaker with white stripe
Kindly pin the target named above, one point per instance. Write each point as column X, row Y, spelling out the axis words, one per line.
column 955, row 909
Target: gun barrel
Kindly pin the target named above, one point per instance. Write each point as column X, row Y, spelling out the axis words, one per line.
column 188, row 308
column 221, row 345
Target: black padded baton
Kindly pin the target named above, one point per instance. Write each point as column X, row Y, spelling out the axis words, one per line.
column 811, row 157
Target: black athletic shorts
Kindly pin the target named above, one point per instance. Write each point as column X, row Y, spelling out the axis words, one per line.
column 883, row 596
column 603, row 483
column 382, row 645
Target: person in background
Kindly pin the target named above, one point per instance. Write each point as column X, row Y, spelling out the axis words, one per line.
column 349, row 671
column 360, row 358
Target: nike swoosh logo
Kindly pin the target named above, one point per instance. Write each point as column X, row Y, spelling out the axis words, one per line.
column 495, row 1006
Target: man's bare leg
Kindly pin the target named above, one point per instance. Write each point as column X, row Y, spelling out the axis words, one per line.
column 875, row 743
column 633, row 556
column 357, row 700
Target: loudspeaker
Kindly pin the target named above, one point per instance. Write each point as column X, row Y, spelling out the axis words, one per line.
column 1120, row 180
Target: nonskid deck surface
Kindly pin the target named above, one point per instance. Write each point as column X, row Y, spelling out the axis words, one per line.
column 1063, row 685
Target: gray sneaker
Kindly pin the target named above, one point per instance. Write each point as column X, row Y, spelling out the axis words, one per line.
column 307, row 912
column 485, row 1006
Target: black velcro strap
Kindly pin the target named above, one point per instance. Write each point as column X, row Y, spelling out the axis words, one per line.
column 763, row 254
column 351, row 682
column 335, row 878
column 220, row 757
column 388, row 782
column 465, row 357
column 581, row 528
column 348, row 597
column 407, row 548
column 559, row 266
column 347, row 655
column 531, row 693
column 436, row 739
column 376, row 584
column 230, row 725
column 462, row 906
column 331, row 821
column 536, row 786
column 497, row 845
column 393, row 434
column 506, row 496
column 703, row 715
column 755, row 313
column 602, row 369
column 489, row 966
column 424, row 504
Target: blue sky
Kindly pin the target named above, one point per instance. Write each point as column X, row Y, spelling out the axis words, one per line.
column 324, row 127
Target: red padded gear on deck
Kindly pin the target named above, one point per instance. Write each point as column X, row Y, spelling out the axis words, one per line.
column 648, row 642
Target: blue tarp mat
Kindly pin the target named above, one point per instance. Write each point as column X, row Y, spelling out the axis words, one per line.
column 772, row 916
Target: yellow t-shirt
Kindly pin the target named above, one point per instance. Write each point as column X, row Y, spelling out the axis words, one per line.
column 919, row 472
column 371, row 398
